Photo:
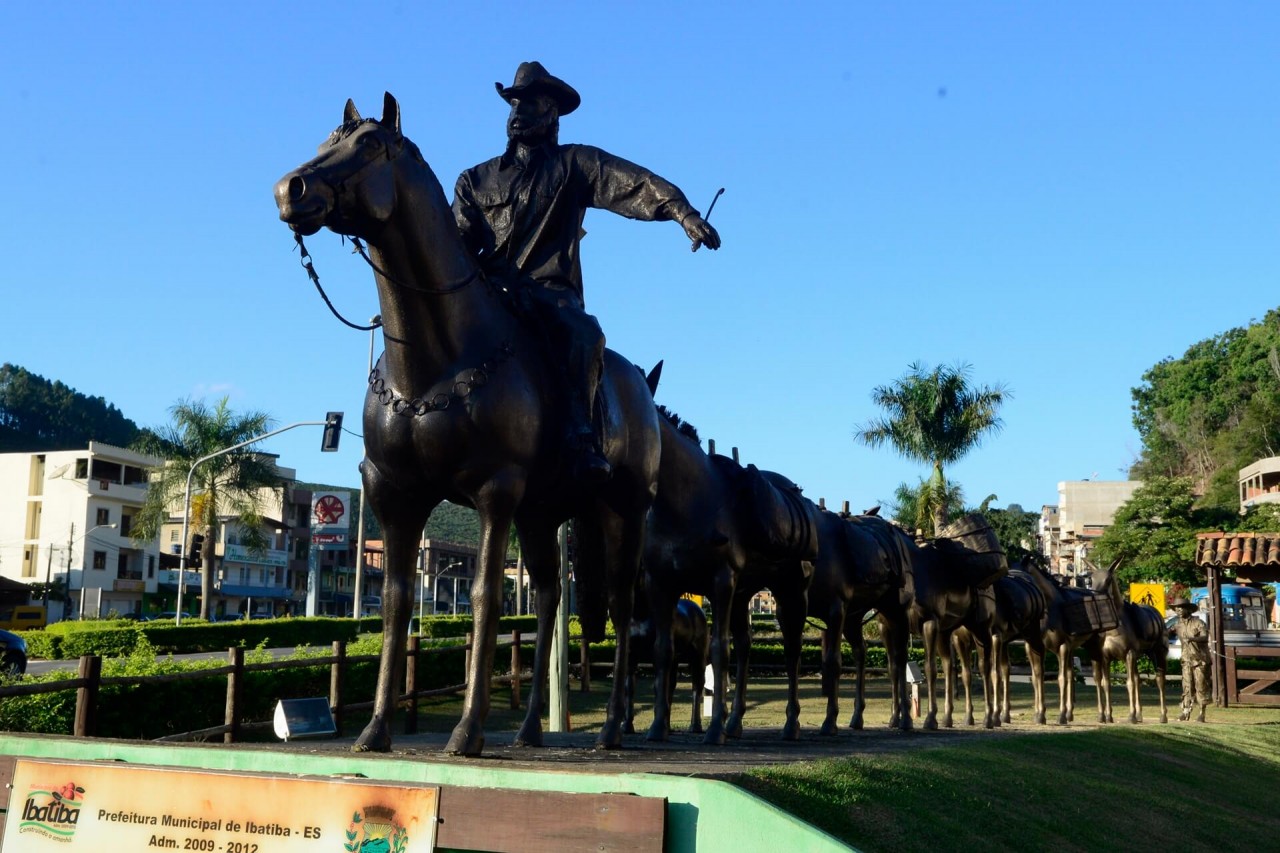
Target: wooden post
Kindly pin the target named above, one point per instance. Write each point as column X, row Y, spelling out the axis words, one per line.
column 735, row 455
column 1233, row 687
column 558, row 695
column 711, row 447
column 335, row 684
column 411, row 685
column 86, row 721
column 235, row 688
column 845, row 510
column 822, row 503
column 515, row 670
column 585, row 648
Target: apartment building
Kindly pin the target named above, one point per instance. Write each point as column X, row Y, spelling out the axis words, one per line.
column 65, row 519
column 1085, row 509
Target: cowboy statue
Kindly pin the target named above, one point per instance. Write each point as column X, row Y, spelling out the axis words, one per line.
column 1194, row 636
column 521, row 215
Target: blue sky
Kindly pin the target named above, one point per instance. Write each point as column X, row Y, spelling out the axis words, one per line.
column 1058, row 194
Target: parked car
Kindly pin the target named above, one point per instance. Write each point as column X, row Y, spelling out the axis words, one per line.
column 13, row 653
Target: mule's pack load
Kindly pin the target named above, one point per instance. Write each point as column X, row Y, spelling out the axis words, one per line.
column 1086, row 611
column 970, row 548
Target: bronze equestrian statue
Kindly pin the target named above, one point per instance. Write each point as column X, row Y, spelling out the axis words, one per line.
column 466, row 405
column 520, row 215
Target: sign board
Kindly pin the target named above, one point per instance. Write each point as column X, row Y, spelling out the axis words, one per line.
column 63, row 807
column 330, row 519
column 1150, row 594
column 296, row 718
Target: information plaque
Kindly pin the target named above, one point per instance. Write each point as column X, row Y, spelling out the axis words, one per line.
column 65, row 807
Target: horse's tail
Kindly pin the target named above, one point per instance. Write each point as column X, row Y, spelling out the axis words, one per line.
column 591, row 593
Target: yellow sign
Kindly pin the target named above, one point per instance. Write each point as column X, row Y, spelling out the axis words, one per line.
column 65, row 807
column 1150, row 594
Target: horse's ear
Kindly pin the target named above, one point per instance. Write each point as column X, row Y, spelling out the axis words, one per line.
column 350, row 113
column 390, row 112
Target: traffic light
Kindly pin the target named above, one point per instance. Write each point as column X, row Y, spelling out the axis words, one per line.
column 197, row 547
column 332, row 432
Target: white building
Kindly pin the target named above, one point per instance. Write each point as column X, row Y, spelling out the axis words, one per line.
column 66, row 515
column 1085, row 509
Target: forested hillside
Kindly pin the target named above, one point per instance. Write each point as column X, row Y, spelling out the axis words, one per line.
column 1212, row 411
column 36, row 415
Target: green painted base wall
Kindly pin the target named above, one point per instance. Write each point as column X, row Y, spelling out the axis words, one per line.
column 702, row 815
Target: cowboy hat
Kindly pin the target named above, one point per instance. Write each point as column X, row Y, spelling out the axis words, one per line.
column 532, row 77
column 1178, row 603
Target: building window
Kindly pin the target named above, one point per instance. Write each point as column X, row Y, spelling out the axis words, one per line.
column 104, row 516
column 99, row 559
column 82, row 469
column 151, row 565
column 173, row 535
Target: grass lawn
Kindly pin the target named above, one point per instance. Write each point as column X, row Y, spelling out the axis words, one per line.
column 1088, row 787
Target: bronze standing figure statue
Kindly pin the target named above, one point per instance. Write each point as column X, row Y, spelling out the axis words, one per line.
column 1194, row 636
column 520, row 215
column 466, row 405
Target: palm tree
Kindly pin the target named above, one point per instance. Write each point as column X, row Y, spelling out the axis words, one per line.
column 934, row 416
column 232, row 486
column 913, row 507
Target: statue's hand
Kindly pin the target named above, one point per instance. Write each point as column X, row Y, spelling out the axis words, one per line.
column 701, row 232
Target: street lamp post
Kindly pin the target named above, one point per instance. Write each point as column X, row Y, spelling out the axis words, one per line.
column 48, row 571
column 186, row 502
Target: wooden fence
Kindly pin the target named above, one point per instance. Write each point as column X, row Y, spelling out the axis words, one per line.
column 1246, row 686
column 89, row 682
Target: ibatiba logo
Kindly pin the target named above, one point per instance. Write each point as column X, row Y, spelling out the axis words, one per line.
column 52, row 811
column 376, row 830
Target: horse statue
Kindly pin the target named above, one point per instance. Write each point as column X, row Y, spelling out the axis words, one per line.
column 1139, row 631
column 1019, row 613
column 463, row 406
column 690, row 639
column 862, row 565
column 713, row 521
column 949, row 581
column 1073, row 618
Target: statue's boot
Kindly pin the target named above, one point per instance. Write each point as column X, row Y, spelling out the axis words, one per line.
column 1200, row 716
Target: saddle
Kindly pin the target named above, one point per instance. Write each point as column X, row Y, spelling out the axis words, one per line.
column 774, row 516
column 1086, row 611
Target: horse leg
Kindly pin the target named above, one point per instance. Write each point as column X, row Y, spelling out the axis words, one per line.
column 929, row 633
column 987, row 660
column 954, row 656
column 740, row 626
column 1066, row 685
column 831, row 663
column 1035, row 654
column 1003, row 682
column 402, row 521
column 698, row 673
column 1160, row 658
column 496, row 505
column 897, row 639
column 661, row 607
column 541, row 554
column 792, row 606
column 721, row 603
column 1102, row 679
column 618, row 536
column 1134, row 685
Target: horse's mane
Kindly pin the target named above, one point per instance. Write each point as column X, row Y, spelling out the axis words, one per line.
column 683, row 427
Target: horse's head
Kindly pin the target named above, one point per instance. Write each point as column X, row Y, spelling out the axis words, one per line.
column 350, row 184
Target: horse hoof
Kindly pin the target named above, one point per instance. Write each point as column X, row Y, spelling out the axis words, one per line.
column 714, row 736
column 696, row 728
column 733, row 729
column 465, row 742
column 658, row 733
column 1040, row 719
column 855, row 722
column 604, row 742
column 1102, row 718
column 1164, row 718
column 529, row 734
column 829, row 728
column 791, row 731
column 931, row 724
column 373, row 739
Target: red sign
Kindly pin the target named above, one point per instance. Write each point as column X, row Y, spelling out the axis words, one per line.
column 329, row 509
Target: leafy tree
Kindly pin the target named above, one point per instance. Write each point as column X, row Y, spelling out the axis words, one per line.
column 1212, row 411
column 914, row 507
column 1013, row 526
column 1154, row 533
column 37, row 415
column 934, row 416
column 229, row 486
